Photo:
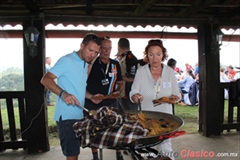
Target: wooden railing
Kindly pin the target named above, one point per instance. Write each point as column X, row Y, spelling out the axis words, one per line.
column 230, row 123
column 14, row 142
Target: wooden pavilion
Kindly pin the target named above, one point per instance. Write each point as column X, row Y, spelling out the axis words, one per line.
column 206, row 15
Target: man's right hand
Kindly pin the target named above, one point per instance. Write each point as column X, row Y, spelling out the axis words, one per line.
column 70, row 99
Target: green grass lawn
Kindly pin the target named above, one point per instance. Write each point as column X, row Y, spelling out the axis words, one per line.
column 188, row 113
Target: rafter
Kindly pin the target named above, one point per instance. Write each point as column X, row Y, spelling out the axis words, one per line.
column 198, row 10
column 231, row 14
column 197, row 6
column 89, row 8
column 143, row 7
column 31, row 6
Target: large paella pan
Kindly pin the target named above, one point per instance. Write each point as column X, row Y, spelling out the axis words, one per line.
column 108, row 128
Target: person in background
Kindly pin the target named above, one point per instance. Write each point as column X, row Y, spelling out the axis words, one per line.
column 178, row 73
column 155, row 80
column 188, row 67
column 224, row 79
column 71, row 74
column 129, row 65
column 48, row 62
column 185, row 84
column 172, row 63
column 231, row 73
column 223, row 76
column 237, row 75
column 196, row 69
column 105, row 78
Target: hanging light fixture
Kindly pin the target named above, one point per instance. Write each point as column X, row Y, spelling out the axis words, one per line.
column 219, row 35
column 216, row 40
column 31, row 36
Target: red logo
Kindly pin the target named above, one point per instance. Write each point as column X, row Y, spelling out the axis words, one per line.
column 130, row 56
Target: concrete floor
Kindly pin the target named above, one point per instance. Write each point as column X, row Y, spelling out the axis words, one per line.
column 186, row 147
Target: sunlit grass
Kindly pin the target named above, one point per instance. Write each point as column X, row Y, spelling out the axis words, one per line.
column 189, row 114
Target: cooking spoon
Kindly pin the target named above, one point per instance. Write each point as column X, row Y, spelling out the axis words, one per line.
column 139, row 105
column 90, row 113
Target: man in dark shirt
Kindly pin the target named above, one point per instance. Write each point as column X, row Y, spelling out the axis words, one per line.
column 129, row 65
column 104, row 78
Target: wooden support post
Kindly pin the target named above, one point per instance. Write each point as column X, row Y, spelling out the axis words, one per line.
column 209, row 91
column 36, row 108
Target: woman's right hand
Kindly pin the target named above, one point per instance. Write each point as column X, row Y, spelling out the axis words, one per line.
column 137, row 96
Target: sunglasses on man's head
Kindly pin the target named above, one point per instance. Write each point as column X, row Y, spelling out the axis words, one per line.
column 95, row 38
column 104, row 38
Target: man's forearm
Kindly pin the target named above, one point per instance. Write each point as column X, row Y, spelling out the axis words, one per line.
column 88, row 95
column 119, row 86
column 126, row 79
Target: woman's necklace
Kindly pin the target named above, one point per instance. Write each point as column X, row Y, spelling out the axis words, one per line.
column 157, row 84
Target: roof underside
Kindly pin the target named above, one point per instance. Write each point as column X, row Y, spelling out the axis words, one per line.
column 182, row 13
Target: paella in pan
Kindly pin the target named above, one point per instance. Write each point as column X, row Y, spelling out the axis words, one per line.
column 109, row 128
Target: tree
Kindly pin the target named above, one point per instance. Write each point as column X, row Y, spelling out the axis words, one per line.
column 12, row 79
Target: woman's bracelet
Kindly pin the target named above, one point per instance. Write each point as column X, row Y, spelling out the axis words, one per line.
column 62, row 92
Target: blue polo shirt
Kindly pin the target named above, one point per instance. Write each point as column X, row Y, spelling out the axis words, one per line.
column 71, row 73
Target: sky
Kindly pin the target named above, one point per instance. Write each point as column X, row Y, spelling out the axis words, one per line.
column 184, row 51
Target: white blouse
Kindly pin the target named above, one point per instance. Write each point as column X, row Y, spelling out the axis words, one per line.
column 145, row 85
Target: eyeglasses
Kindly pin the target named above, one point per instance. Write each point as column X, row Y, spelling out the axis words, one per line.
column 155, row 41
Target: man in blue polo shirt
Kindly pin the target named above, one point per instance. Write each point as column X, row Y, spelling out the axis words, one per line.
column 71, row 74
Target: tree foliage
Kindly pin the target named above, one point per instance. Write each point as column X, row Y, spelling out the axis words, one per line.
column 12, row 79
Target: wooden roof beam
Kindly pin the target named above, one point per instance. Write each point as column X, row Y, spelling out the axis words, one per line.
column 31, row 6
column 143, row 7
column 89, row 8
column 113, row 34
column 231, row 13
column 197, row 6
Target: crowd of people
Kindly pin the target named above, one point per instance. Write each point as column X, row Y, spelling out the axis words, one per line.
column 89, row 72
column 228, row 74
column 187, row 82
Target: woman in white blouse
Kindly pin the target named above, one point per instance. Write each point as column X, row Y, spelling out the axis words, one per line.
column 155, row 80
